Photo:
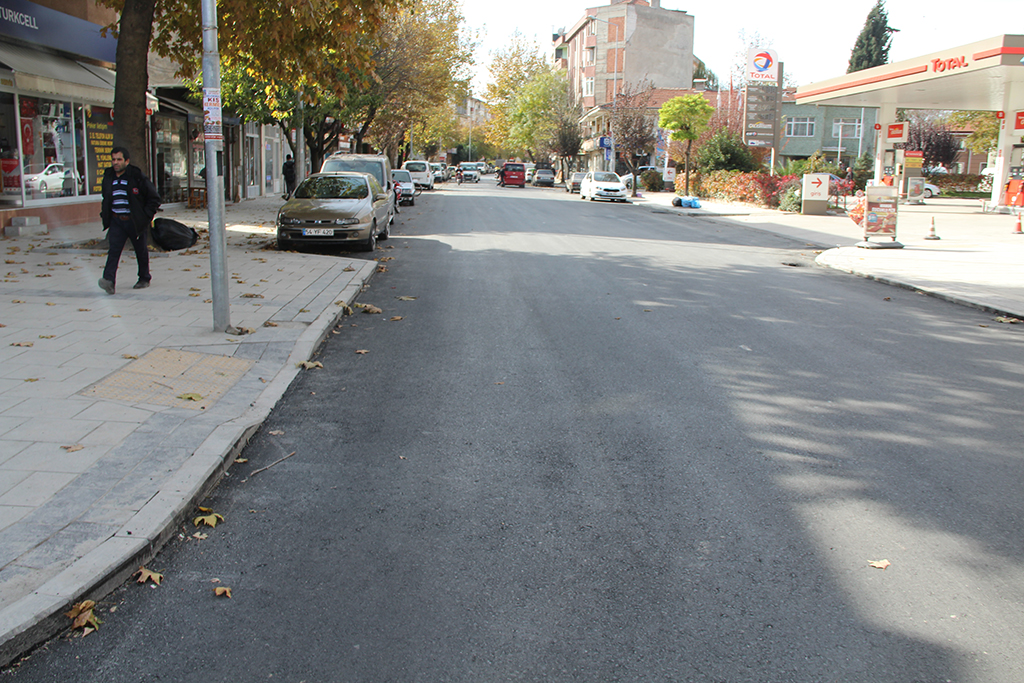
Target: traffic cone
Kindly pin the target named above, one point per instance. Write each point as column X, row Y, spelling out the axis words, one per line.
column 932, row 235
column 1018, row 231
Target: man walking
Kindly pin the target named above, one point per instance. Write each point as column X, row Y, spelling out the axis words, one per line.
column 129, row 203
column 288, row 171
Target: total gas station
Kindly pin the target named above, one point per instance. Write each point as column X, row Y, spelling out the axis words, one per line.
column 984, row 76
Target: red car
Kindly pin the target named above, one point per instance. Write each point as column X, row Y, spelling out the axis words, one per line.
column 513, row 174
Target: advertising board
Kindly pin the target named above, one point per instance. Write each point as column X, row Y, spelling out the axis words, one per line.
column 880, row 211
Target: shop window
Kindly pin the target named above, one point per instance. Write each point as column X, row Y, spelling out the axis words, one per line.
column 170, row 141
column 48, row 149
column 99, row 138
column 9, row 151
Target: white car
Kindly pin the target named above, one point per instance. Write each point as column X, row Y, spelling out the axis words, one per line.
column 931, row 190
column 406, row 187
column 603, row 185
column 421, row 173
column 52, row 179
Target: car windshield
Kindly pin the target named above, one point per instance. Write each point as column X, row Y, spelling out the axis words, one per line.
column 515, row 167
column 401, row 176
column 545, row 171
column 370, row 166
column 416, row 166
column 333, row 187
column 578, row 176
column 607, row 178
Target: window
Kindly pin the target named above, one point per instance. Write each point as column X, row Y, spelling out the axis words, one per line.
column 846, row 128
column 588, row 57
column 799, row 127
column 592, row 28
column 588, row 87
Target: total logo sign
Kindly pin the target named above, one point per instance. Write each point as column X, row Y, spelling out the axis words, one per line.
column 762, row 66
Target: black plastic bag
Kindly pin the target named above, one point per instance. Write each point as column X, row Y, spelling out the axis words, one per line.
column 172, row 235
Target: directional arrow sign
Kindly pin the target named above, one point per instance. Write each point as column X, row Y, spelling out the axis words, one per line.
column 815, row 187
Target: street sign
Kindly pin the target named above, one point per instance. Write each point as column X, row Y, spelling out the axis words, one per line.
column 815, row 187
column 762, row 66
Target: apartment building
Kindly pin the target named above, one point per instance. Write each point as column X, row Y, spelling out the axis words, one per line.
column 627, row 41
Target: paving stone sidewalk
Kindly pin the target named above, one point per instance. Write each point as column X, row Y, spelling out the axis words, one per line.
column 118, row 412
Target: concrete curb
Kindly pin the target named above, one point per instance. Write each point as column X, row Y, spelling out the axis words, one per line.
column 40, row 615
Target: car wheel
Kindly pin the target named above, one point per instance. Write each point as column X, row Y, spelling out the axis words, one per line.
column 371, row 242
column 927, row 193
column 412, row 201
column 386, row 232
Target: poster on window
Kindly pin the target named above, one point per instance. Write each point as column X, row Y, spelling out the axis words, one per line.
column 99, row 138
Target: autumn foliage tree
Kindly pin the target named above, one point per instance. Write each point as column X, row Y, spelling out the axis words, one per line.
column 687, row 117
column 283, row 40
column 510, row 68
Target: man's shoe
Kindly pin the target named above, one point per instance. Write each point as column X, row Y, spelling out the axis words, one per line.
column 106, row 285
column 141, row 284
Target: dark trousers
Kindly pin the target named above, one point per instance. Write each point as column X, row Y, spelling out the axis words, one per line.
column 289, row 187
column 118, row 234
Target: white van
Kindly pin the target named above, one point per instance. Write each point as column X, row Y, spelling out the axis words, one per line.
column 421, row 173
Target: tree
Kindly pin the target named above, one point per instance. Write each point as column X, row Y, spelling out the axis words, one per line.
column 686, row 117
column 510, row 69
column 872, row 46
column 984, row 127
column 929, row 133
column 725, row 151
column 285, row 40
column 633, row 125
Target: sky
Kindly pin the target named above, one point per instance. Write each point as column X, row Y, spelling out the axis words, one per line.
column 812, row 39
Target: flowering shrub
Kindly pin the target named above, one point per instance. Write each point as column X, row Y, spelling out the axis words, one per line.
column 752, row 188
column 957, row 182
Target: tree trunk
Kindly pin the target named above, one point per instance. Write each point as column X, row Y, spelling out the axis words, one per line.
column 688, row 144
column 135, row 31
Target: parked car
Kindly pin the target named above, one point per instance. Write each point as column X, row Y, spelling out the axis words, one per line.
column 513, row 173
column 335, row 209
column 406, row 187
column 931, row 190
column 438, row 170
column 544, row 176
column 603, row 185
column 377, row 165
column 573, row 183
column 421, row 172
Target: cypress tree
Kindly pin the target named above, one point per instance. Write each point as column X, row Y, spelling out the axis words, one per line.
column 872, row 46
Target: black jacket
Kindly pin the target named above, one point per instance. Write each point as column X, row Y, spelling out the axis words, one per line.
column 143, row 199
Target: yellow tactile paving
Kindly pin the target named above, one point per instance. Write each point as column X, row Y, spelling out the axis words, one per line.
column 163, row 375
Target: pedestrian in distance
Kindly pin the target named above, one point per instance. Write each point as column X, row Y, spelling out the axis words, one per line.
column 129, row 203
column 288, row 173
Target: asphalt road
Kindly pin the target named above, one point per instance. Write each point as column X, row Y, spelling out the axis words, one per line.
column 605, row 444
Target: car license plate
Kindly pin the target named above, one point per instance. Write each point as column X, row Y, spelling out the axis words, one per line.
column 318, row 232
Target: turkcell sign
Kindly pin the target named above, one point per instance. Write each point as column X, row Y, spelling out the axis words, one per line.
column 762, row 66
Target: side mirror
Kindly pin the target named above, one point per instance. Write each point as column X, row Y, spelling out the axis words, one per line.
column 380, row 197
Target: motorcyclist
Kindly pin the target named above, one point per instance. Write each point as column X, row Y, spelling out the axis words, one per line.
column 458, row 175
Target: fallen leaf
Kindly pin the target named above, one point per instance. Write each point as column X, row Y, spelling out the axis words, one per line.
column 269, row 323
column 50, row 303
column 82, row 616
column 347, row 269
column 880, row 564
column 1007, row 319
column 72, row 449
column 209, row 520
column 21, row 344
column 220, row 591
column 84, row 310
column 276, row 432
column 47, row 336
column 406, row 298
column 241, row 459
column 362, row 352
column 31, row 379
column 371, row 309
column 380, row 269
column 192, row 396
column 395, row 318
column 129, row 356
column 148, row 575
column 250, row 295
column 199, row 535
column 382, row 259
column 309, row 365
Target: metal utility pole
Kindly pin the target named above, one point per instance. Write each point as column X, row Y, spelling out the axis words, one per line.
column 214, row 139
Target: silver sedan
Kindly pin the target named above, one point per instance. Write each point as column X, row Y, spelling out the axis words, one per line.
column 335, row 209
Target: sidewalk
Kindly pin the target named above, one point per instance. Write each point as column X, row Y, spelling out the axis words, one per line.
column 100, row 455
column 977, row 260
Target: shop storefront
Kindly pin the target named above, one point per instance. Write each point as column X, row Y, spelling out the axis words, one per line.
column 55, row 114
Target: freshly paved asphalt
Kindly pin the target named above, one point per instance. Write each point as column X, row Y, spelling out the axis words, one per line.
column 95, row 472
